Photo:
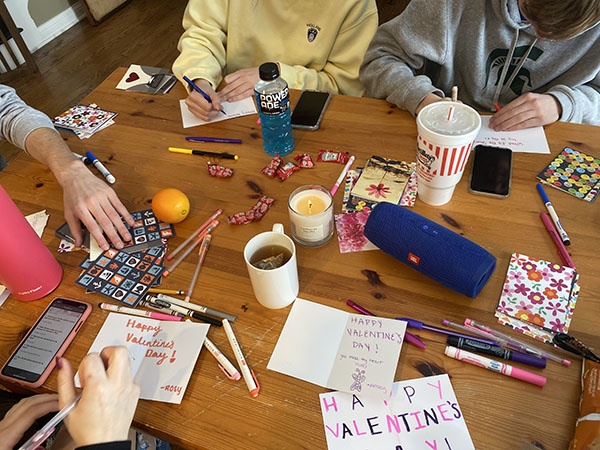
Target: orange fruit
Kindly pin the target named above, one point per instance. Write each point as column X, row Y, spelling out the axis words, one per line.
column 170, row 205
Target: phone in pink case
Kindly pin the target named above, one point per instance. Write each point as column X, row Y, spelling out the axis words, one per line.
column 33, row 360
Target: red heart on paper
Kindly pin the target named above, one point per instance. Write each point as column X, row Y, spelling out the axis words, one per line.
column 132, row 77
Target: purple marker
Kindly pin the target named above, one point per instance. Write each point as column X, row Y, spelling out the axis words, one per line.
column 211, row 139
column 412, row 323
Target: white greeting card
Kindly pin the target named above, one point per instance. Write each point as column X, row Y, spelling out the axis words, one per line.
column 162, row 353
column 232, row 110
column 421, row 414
column 528, row 140
column 339, row 350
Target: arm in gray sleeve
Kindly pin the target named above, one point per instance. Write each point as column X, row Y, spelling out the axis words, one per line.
column 400, row 48
column 17, row 119
column 579, row 104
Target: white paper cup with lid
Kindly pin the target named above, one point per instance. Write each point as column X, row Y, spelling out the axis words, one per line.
column 443, row 147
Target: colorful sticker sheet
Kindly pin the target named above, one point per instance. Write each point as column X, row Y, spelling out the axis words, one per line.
column 84, row 120
column 147, row 231
column 121, row 276
column 350, row 230
column 538, row 297
column 575, row 173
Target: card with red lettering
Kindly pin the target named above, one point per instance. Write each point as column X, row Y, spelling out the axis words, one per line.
column 163, row 354
column 124, row 277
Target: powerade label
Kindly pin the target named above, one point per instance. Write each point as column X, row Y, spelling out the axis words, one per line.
column 275, row 103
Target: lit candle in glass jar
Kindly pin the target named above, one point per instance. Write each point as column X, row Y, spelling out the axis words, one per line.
column 311, row 215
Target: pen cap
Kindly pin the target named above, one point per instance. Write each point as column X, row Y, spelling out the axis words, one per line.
column 530, row 360
column 411, row 323
column 27, row 268
column 435, row 251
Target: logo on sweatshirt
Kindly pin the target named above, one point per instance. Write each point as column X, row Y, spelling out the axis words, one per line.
column 312, row 32
column 497, row 59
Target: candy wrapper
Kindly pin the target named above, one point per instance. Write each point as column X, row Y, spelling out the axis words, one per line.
column 305, row 161
column 214, row 170
column 271, row 169
column 253, row 215
column 286, row 171
column 331, row 156
column 587, row 430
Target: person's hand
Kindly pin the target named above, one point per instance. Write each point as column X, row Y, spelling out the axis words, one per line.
column 431, row 98
column 199, row 106
column 90, row 200
column 108, row 401
column 527, row 110
column 20, row 417
column 239, row 84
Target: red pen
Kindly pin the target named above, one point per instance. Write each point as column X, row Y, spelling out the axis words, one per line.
column 562, row 250
column 408, row 337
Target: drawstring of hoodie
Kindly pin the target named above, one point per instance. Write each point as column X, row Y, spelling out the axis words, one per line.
column 501, row 87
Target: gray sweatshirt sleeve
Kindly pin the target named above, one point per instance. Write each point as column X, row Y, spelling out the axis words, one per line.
column 17, row 119
column 579, row 104
column 400, row 48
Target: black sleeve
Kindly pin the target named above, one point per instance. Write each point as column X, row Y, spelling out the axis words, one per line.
column 116, row 445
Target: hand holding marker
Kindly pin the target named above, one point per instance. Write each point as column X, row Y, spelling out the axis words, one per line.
column 200, row 91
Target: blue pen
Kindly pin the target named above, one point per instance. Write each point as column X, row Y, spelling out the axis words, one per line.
column 200, row 91
column 564, row 237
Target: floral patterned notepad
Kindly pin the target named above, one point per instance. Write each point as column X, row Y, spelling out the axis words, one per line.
column 538, row 297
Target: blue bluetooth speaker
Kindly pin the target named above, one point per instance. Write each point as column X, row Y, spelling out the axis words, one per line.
column 435, row 251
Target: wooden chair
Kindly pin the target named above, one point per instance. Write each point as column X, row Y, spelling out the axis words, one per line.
column 9, row 58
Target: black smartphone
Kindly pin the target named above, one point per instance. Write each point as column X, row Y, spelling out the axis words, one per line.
column 33, row 360
column 491, row 174
column 309, row 109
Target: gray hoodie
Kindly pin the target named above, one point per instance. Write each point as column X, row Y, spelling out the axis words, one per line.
column 469, row 43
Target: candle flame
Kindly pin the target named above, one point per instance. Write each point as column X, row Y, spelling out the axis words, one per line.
column 309, row 207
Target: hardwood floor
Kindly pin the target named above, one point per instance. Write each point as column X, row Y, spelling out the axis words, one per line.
column 72, row 65
column 142, row 32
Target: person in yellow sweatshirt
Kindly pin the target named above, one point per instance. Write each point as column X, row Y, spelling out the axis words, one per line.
column 318, row 46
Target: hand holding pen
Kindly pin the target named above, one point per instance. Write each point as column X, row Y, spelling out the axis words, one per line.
column 203, row 101
column 92, row 421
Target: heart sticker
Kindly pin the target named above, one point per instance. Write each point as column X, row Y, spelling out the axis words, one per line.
column 132, row 77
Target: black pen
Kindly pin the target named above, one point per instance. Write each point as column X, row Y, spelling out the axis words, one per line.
column 188, row 312
column 188, row 151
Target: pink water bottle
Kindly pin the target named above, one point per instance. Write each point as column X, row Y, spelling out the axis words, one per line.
column 27, row 268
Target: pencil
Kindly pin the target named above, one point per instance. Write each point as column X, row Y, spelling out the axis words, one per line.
column 203, row 153
column 166, row 291
column 201, row 256
column 198, row 231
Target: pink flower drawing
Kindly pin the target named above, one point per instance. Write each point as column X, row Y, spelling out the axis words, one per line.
column 378, row 191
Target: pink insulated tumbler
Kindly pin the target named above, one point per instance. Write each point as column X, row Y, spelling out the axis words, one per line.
column 27, row 268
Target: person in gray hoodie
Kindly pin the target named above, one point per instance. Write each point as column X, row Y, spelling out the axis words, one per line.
column 539, row 60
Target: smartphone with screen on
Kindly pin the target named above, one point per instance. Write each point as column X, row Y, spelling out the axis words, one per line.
column 492, row 169
column 309, row 109
column 33, row 360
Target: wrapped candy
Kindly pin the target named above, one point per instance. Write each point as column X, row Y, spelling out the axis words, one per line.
column 286, row 171
column 305, row 161
column 214, row 170
column 331, row 156
column 254, row 214
column 271, row 169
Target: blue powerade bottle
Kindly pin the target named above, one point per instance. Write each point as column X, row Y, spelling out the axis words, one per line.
column 273, row 101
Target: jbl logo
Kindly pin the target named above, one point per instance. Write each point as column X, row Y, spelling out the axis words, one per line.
column 414, row 259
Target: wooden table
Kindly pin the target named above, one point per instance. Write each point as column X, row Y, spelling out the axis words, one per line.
column 501, row 412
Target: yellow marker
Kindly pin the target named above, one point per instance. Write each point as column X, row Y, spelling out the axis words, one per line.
column 188, row 151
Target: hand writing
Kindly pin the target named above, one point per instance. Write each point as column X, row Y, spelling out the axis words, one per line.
column 527, row 110
column 199, row 106
column 108, row 401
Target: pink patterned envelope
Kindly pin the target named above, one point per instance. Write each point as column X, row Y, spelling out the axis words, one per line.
column 350, row 231
column 538, row 297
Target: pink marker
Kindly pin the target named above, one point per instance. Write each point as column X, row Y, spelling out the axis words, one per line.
column 342, row 176
column 137, row 312
column 496, row 366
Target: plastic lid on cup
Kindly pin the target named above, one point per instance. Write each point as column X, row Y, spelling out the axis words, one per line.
column 434, row 118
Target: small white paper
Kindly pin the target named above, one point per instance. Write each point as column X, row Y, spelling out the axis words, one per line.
column 420, row 414
column 339, row 350
column 234, row 109
column 528, row 140
column 163, row 354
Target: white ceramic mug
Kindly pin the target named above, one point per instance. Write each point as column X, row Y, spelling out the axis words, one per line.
column 275, row 288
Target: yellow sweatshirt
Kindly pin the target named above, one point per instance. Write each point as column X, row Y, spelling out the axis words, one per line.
column 318, row 44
